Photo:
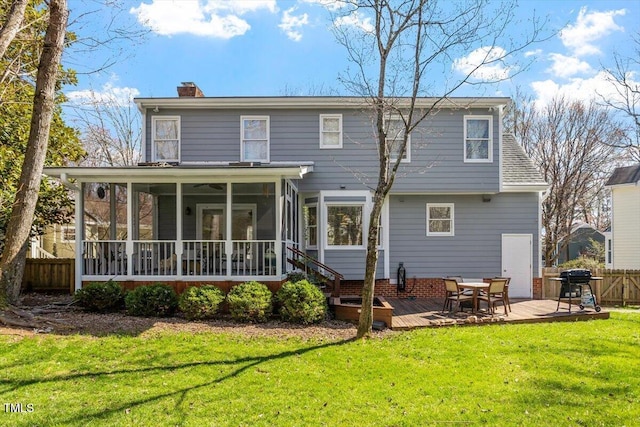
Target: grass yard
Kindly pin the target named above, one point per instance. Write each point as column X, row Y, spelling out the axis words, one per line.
column 560, row 374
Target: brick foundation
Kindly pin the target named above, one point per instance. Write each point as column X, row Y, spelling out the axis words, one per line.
column 418, row 288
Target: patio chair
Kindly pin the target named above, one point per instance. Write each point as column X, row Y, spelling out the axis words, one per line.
column 495, row 293
column 454, row 293
column 506, row 291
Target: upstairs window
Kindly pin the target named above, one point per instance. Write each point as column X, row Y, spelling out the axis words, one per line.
column 68, row 233
column 166, row 139
column 439, row 219
column 395, row 137
column 478, row 135
column 330, row 130
column 255, row 139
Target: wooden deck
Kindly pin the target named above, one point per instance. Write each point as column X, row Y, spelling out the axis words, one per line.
column 426, row 312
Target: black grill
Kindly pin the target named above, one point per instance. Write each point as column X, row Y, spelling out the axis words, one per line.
column 572, row 281
column 576, row 276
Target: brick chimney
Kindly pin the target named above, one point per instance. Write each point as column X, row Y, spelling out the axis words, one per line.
column 190, row 90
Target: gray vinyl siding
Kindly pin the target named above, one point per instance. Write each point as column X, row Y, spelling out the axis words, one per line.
column 475, row 249
column 437, row 148
column 351, row 262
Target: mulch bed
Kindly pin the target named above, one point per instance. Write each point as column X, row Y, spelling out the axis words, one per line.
column 57, row 314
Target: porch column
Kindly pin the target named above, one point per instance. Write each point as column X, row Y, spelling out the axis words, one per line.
column 131, row 209
column 281, row 205
column 80, row 237
column 179, row 214
column 228, row 245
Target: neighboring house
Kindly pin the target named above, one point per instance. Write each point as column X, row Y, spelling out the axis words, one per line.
column 624, row 247
column 235, row 183
column 579, row 242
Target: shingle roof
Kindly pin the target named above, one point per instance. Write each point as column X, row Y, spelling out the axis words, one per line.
column 625, row 175
column 517, row 167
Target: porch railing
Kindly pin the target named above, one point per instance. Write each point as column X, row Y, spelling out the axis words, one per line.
column 104, row 257
column 196, row 258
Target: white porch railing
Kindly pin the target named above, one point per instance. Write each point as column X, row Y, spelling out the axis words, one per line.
column 249, row 258
column 104, row 257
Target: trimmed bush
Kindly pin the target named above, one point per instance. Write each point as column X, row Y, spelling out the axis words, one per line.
column 100, row 296
column 301, row 302
column 250, row 302
column 200, row 302
column 157, row 300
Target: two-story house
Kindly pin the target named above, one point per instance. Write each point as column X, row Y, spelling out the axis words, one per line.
column 230, row 187
column 623, row 241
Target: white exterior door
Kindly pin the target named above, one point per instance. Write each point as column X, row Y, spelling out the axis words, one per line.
column 517, row 263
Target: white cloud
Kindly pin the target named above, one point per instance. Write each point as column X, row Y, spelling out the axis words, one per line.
column 590, row 27
column 484, row 63
column 595, row 87
column 567, row 66
column 536, row 52
column 109, row 95
column 291, row 24
column 331, row 5
column 201, row 18
column 355, row 20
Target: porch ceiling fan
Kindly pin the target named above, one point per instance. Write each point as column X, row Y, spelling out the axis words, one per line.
column 217, row 187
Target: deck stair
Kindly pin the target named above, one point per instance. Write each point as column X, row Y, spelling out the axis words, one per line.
column 311, row 266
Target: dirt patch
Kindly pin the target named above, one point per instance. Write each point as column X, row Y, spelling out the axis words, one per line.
column 57, row 314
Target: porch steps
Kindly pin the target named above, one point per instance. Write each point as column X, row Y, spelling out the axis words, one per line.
column 321, row 272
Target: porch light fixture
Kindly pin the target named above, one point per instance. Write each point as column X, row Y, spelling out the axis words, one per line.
column 187, row 211
column 486, row 198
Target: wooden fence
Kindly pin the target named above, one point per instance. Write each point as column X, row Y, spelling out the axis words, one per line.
column 49, row 275
column 617, row 287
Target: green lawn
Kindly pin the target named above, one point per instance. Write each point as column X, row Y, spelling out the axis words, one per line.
column 571, row 374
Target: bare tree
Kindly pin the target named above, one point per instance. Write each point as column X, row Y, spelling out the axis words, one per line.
column 573, row 143
column 394, row 54
column 110, row 129
column 13, row 257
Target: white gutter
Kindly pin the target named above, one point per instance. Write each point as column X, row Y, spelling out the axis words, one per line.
column 65, row 181
column 310, row 102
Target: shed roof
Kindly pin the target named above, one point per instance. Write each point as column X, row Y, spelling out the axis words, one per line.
column 625, row 175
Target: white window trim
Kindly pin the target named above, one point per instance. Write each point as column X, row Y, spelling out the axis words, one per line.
column 407, row 159
column 490, row 143
column 63, row 229
column 441, row 205
column 154, row 119
column 242, row 139
column 330, row 116
column 306, row 228
column 326, row 227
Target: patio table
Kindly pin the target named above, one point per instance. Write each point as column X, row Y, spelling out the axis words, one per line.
column 476, row 287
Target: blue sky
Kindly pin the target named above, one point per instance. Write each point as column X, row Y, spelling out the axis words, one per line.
column 270, row 47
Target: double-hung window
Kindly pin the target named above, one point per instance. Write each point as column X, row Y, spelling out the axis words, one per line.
column 166, row 139
column 344, row 225
column 255, row 139
column 478, row 134
column 440, row 219
column 395, row 129
column 311, row 226
column 330, row 130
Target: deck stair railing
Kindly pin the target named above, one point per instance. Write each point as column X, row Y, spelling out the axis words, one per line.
column 312, row 266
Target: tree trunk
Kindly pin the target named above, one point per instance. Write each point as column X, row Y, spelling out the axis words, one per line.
column 19, row 226
column 368, row 289
column 12, row 25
